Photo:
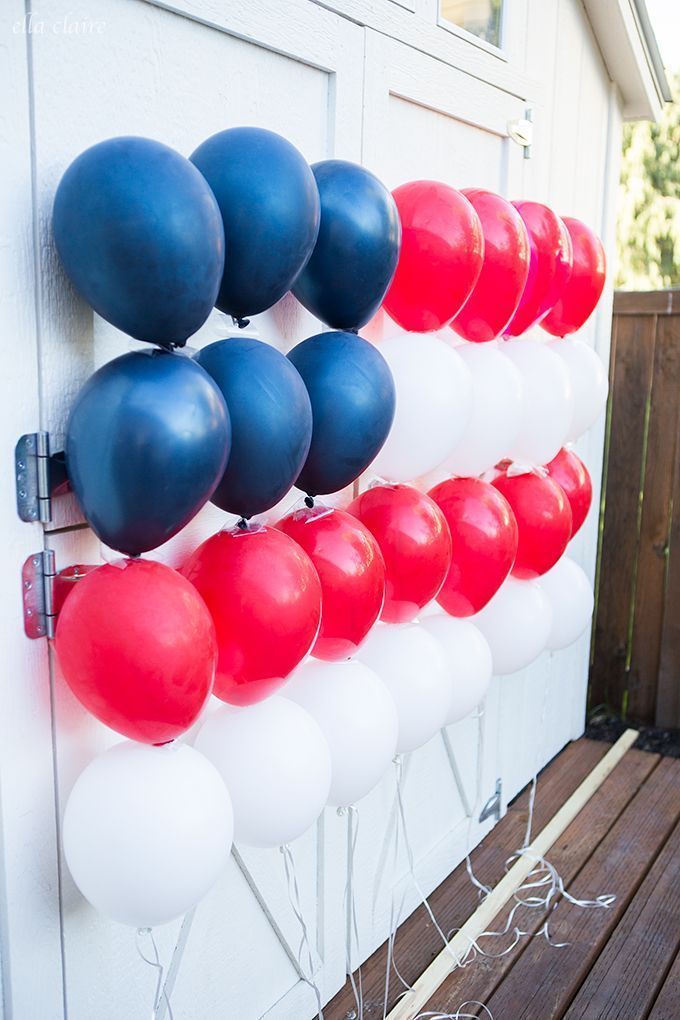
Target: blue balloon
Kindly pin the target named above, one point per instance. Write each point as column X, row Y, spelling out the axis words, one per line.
column 140, row 235
column 352, row 394
column 271, row 422
column 270, row 206
column 147, row 442
column 357, row 249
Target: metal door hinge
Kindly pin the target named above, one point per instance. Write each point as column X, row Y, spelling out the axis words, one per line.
column 40, row 474
column 522, row 131
column 44, row 590
column 492, row 808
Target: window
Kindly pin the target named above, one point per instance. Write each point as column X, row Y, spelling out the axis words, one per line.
column 479, row 17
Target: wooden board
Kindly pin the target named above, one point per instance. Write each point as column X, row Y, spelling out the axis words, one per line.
column 666, row 1005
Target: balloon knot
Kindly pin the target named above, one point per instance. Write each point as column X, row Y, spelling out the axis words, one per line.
column 354, row 330
column 242, row 524
column 240, row 322
column 309, row 501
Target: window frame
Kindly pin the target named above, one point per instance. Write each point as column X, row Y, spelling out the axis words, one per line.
column 499, row 51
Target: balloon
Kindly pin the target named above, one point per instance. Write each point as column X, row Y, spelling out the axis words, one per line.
column 484, row 537
column 505, row 268
column 265, row 598
column 356, row 715
column 271, row 423
column 468, row 662
column 497, row 394
column 146, row 444
column 543, row 518
column 412, row 666
column 589, row 383
column 269, row 203
column 137, row 647
column 147, row 832
column 415, row 543
column 352, row 395
column 548, row 406
column 276, row 764
column 352, row 574
column 549, row 267
column 433, row 405
column 516, row 624
column 442, row 247
column 582, row 291
column 573, row 478
column 571, row 599
column 356, row 252
column 139, row 233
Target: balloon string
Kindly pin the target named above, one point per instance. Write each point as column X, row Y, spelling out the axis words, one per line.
column 351, row 909
column 296, row 905
column 160, row 993
column 459, row 1014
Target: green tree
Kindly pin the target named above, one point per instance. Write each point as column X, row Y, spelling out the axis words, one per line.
column 648, row 227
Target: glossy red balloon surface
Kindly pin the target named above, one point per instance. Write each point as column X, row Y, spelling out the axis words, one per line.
column 415, row 543
column 265, row 598
column 137, row 647
column 550, row 265
column 543, row 518
column 505, row 269
column 582, row 291
column 484, row 543
column 440, row 259
column 352, row 573
column 573, row 477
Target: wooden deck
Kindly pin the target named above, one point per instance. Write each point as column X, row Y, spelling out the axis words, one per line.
column 622, row 963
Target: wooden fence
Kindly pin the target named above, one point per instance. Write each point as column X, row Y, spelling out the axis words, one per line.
column 636, row 646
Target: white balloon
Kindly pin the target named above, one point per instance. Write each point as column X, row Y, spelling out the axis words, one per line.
column 468, row 660
column 147, row 831
column 277, row 765
column 434, row 399
column 497, row 392
column 571, row 599
column 516, row 623
column 413, row 667
column 589, row 383
column 547, row 406
column 358, row 718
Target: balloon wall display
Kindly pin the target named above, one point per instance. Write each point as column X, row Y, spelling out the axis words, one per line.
column 442, row 248
column 356, row 252
column 147, row 832
column 583, row 289
column 411, row 664
column 351, row 571
column 516, row 624
column 571, row 599
column 415, row 543
column 352, row 395
column 276, row 764
column 550, row 265
column 264, row 596
column 468, row 662
column 271, row 423
column 140, row 236
column 484, row 539
column 269, row 203
column 137, row 647
column 547, row 407
column 573, row 478
column 433, row 405
column 543, row 517
column 140, row 468
column 496, row 295
column 589, row 384
column 358, row 718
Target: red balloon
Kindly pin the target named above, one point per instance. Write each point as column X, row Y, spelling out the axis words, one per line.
column 549, row 266
column 572, row 475
column 137, row 647
column 442, row 247
column 415, row 543
column 265, row 598
column 484, row 537
column 543, row 518
column 582, row 291
column 352, row 573
column 505, row 268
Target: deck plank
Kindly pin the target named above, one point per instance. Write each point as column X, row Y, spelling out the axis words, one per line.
column 667, row 1005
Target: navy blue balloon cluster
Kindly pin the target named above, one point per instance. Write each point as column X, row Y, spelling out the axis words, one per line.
column 153, row 241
